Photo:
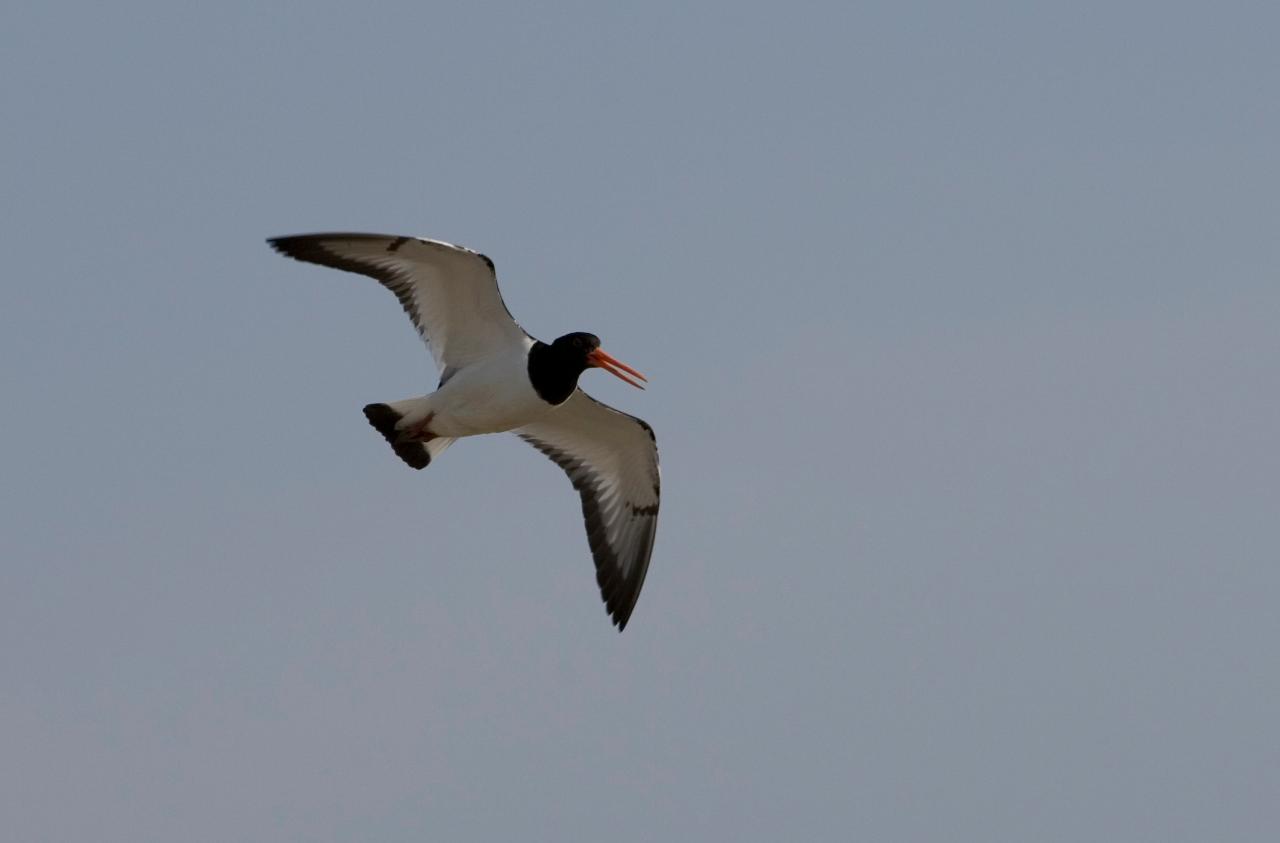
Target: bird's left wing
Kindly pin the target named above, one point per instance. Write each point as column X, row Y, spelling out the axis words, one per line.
column 450, row 292
column 612, row 460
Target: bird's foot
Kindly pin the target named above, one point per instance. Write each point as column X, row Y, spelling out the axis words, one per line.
column 418, row 432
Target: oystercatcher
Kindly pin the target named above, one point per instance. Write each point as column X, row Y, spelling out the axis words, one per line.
column 494, row 377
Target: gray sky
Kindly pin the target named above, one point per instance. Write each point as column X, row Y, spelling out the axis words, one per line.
column 961, row 324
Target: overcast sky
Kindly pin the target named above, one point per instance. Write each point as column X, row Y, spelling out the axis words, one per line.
column 961, row 325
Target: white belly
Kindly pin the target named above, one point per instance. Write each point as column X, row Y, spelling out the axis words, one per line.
column 487, row 397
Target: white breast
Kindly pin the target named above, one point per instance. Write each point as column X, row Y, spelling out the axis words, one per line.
column 490, row 396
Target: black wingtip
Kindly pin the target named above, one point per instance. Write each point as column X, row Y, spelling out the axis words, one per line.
column 620, row 594
column 300, row 247
column 620, row 611
column 384, row 419
column 286, row 246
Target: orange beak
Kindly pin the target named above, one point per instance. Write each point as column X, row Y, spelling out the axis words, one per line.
column 615, row 367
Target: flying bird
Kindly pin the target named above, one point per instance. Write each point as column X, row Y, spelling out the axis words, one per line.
column 494, row 377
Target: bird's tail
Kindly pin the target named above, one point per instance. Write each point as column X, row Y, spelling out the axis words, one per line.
column 401, row 423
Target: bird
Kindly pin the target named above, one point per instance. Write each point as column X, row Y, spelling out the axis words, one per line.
column 494, row 378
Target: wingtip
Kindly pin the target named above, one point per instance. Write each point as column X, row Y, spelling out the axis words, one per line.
column 307, row 248
column 279, row 245
column 620, row 615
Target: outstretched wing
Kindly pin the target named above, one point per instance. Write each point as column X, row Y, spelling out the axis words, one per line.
column 449, row 292
column 612, row 460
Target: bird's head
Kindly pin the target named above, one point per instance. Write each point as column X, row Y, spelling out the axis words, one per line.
column 583, row 349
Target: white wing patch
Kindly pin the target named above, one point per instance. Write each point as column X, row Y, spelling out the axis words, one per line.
column 612, row 460
column 450, row 293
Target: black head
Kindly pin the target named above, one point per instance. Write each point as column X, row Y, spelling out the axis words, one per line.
column 554, row 369
column 574, row 348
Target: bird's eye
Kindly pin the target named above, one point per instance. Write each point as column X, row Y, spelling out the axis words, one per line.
column 577, row 342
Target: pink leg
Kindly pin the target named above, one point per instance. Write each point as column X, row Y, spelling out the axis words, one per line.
column 419, row 432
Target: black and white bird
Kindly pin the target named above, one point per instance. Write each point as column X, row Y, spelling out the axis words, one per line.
column 494, row 377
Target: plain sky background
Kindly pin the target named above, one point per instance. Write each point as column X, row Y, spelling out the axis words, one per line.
column 962, row 328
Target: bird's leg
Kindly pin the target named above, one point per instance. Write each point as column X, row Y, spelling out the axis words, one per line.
column 418, row 432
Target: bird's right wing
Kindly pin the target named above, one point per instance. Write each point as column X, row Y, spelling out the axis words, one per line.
column 450, row 293
column 612, row 460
